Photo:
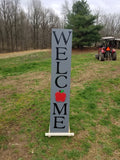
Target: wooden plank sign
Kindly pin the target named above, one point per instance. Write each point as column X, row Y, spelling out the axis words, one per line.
column 60, row 83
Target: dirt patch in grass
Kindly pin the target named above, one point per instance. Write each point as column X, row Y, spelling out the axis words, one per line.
column 91, row 72
column 115, row 122
column 81, row 135
column 21, row 53
column 16, row 147
column 96, row 153
column 92, row 154
column 98, row 148
column 94, row 72
column 84, row 50
column 102, row 130
column 25, row 82
column 76, row 142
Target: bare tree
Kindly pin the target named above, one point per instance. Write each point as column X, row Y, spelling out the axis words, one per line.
column 65, row 11
column 21, row 31
column 5, row 24
column 15, row 8
column 9, row 17
column 1, row 32
column 24, row 36
column 44, row 27
column 35, row 19
column 52, row 21
column 110, row 22
column 41, row 20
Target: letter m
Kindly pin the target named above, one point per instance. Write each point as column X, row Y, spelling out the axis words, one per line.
column 66, row 39
column 60, row 109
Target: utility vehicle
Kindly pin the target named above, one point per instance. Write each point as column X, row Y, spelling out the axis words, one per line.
column 106, row 50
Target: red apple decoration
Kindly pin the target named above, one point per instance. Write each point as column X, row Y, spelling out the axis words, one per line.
column 60, row 96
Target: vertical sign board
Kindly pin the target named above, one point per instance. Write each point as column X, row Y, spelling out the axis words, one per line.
column 60, row 82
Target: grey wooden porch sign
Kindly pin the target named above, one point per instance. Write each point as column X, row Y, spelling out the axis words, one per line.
column 60, row 83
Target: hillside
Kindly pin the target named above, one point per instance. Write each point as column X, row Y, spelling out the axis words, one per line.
column 25, row 108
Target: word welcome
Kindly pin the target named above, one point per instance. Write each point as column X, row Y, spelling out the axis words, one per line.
column 60, row 83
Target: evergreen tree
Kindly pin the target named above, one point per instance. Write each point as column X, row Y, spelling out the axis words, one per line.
column 80, row 19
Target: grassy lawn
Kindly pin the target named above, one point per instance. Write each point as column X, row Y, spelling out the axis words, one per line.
column 25, row 109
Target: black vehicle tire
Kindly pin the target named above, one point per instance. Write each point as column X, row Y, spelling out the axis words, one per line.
column 96, row 56
column 101, row 57
column 114, row 56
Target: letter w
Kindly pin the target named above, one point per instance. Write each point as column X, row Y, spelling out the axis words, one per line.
column 58, row 109
column 62, row 35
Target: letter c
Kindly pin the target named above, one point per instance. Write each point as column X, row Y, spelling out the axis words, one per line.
column 56, row 81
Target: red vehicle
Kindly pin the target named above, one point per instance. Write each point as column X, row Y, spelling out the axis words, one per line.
column 106, row 50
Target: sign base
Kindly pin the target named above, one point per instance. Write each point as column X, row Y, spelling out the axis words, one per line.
column 50, row 134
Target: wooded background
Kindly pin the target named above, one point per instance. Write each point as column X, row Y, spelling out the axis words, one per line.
column 31, row 28
column 22, row 30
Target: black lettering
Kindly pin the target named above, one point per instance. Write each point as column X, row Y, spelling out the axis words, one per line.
column 58, row 122
column 62, row 35
column 58, row 69
column 56, row 81
column 58, row 53
column 60, row 110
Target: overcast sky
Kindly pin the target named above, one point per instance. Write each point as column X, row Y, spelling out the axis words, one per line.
column 108, row 6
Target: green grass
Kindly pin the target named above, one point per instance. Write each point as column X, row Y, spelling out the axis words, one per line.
column 94, row 109
column 20, row 65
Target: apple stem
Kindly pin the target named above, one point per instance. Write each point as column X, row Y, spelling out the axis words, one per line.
column 62, row 91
